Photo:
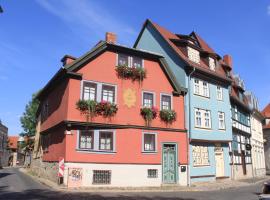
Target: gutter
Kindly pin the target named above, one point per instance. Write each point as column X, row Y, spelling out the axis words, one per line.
column 189, row 124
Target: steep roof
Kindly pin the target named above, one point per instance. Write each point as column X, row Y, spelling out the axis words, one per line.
column 266, row 111
column 12, row 142
column 69, row 70
column 169, row 37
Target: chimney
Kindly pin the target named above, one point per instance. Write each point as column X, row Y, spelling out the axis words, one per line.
column 228, row 60
column 111, row 37
column 67, row 59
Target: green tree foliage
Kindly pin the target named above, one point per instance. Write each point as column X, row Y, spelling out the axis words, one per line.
column 28, row 119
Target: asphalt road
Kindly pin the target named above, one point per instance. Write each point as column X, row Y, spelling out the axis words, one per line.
column 16, row 185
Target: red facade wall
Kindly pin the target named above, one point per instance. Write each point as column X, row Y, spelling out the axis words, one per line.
column 58, row 105
column 102, row 69
column 57, row 145
column 128, row 148
column 62, row 106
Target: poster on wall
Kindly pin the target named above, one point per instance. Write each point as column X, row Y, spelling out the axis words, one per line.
column 74, row 177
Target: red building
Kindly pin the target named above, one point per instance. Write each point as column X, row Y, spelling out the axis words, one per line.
column 116, row 116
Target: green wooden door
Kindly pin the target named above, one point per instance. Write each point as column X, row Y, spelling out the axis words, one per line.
column 169, row 163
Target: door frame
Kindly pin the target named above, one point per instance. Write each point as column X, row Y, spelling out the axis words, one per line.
column 222, row 152
column 176, row 161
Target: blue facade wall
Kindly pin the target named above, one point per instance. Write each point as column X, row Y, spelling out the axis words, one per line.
column 151, row 40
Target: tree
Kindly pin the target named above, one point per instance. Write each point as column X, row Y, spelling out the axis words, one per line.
column 29, row 119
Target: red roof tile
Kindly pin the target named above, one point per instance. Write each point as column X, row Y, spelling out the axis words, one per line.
column 12, row 142
column 266, row 111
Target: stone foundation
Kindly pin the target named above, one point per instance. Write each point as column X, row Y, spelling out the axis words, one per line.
column 47, row 170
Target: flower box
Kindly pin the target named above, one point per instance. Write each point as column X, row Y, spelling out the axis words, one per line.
column 149, row 114
column 133, row 73
column 168, row 116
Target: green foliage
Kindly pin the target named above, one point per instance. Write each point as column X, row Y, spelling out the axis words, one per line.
column 133, row 73
column 168, row 116
column 91, row 108
column 149, row 114
column 28, row 119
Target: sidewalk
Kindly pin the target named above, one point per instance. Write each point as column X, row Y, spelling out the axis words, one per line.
column 202, row 186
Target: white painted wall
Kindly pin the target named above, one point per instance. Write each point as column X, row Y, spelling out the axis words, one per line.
column 258, row 160
column 123, row 175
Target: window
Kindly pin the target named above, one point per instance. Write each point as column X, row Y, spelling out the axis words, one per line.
column 200, row 155
column 219, row 93
column 123, row 60
column 221, row 120
column 149, row 142
column 105, row 140
column 148, row 99
column 193, row 55
column 201, row 88
column 108, row 93
column 207, row 119
column 89, row 91
column 198, row 118
column 205, row 89
column 152, row 173
column 102, row 176
column 86, row 139
column 196, row 86
column 137, row 62
column 98, row 92
column 202, row 118
column 166, row 103
column 212, row 64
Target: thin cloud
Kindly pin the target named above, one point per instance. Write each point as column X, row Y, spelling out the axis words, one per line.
column 88, row 18
column 3, row 78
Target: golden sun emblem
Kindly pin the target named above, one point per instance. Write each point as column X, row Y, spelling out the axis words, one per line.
column 129, row 96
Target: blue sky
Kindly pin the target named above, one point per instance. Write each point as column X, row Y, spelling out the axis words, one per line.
column 34, row 36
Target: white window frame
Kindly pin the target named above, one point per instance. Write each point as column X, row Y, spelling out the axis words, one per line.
column 166, row 94
column 219, row 90
column 200, row 156
column 219, row 120
column 201, row 87
column 130, row 60
column 212, row 63
column 153, row 133
column 96, row 144
column 203, row 118
column 154, row 97
column 193, row 55
column 99, row 90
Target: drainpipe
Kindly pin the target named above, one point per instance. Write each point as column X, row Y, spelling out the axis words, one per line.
column 189, row 123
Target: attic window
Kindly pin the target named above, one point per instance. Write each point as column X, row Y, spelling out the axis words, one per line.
column 193, row 55
column 212, row 64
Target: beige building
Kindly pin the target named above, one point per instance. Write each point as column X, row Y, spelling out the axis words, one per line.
column 257, row 141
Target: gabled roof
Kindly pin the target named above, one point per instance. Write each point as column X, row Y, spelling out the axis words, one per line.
column 266, row 111
column 170, row 37
column 70, row 70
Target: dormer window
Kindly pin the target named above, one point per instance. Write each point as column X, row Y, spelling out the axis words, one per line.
column 212, row 64
column 193, row 55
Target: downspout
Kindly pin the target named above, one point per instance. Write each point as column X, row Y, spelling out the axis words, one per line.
column 189, row 123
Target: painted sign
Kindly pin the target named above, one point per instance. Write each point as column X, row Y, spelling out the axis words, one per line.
column 74, row 177
column 61, row 167
column 129, row 97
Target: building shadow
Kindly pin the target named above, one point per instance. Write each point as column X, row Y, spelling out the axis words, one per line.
column 38, row 194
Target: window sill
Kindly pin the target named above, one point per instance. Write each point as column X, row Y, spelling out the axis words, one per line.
column 202, row 165
column 149, row 152
column 95, row 151
column 197, row 127
column 199, row 95
column 222, row 129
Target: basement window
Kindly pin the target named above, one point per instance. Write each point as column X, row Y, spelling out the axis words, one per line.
column 102, row 177
column 152, row 173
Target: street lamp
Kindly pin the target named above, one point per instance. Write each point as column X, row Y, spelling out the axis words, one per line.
column 1, row 10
